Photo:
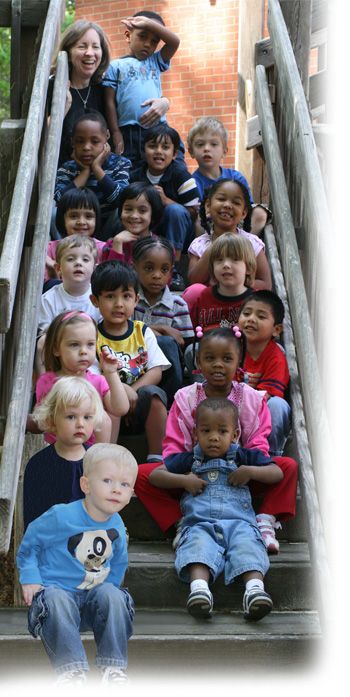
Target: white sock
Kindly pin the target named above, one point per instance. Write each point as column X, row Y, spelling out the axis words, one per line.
column 254, row 583
column 199, row 584
column 267, row 516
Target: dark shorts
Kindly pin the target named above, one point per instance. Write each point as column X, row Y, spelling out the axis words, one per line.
column 136, row 422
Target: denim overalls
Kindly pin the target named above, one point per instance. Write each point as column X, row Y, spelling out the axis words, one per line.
column 219, row 526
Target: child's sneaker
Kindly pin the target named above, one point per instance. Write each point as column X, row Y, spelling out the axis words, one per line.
column 200, row 603
column 76, row 677
column 256, row 604
column 112, row 674
column 267, row 525
column 176, row 539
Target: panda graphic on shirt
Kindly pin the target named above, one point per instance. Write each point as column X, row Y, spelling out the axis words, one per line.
column 92, row 549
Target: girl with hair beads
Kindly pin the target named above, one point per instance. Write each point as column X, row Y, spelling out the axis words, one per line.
column 140, row 208
column 78, row 213
column 164, row 312
column 232, row 264
column 220, row 354
column 225, row 205
column 71, row 410
column 70, row 349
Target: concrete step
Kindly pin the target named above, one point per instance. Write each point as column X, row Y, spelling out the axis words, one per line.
column 153, row 582
column 141, row 525
column 165, row 640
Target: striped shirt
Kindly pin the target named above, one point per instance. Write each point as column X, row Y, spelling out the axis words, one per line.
column 170, row 310
column 107, row 189
column 177, row 183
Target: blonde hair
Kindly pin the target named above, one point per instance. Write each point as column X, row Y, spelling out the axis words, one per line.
column 54, row 335
column 237, row 248
column 72, row 35
column 67, row 392
column 101, row 451
column 73, row 241
column 207, row 123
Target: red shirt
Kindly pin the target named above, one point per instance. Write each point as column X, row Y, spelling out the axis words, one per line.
column 212, row 309
column 269, row 372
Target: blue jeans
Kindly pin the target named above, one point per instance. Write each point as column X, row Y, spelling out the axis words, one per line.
column 58, row 616
column 219, row 525
column 176, row 226
column 172, row 378
column 280, row 424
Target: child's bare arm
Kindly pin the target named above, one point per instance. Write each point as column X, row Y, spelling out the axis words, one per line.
column 112, row 119
column 152, row 376
column 198, row 268
column 263, row 273
column 116, row 401
column 161, row 478
column 268, row 474
column 171, row 40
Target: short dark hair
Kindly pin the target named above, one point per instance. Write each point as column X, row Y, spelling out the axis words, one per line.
column 136, row 190
column 274, row 302
column 113, row 274
column 77, row 198
column 160, row 133
column 91, row 116
column 216, row 403
column 146, row 244
column 150, row 15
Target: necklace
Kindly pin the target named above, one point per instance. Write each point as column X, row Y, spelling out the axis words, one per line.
column 87, row 96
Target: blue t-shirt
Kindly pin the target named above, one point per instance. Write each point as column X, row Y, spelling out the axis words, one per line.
column 134, row 81
column 204, row 182
column 66, row 548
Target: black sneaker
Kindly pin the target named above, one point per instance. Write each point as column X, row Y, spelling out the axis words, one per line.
column 256, row 604
column 177, row 282
column 200, row 603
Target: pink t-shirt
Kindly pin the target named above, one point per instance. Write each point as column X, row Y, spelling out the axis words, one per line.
column 51, row 252
column 201, row 243
column 48, row 379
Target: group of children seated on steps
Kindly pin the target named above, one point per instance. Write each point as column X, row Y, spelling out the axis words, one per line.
column 202, row 374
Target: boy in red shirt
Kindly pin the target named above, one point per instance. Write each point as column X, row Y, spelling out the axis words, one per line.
column 265, row 365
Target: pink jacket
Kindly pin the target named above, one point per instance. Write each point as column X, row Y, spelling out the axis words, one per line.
column 254, row 418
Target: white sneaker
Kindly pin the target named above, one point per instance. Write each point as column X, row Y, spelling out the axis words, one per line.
column 176, row 539
column 76, row 677
column 267, row 525
column 112, row 674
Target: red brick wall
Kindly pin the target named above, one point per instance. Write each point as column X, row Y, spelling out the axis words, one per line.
column 202, row 80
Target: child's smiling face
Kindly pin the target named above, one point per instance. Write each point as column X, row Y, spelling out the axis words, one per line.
column 116, row 307
column 80, row 221
column 218, row 359
column 159, row 154
column 226, row 207
column 136, row 215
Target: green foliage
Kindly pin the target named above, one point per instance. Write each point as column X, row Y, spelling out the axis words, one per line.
column 70, row 14
column 5, row 56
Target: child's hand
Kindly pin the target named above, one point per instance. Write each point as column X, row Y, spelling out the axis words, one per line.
column 241, row 476
column 101, row 158
column 194, row 484
column 108, row 361
column 132, row 397
column 121, row 238
column 135, row 22
column 118, row 141
column 176, row 334
column 157, row 107
column 29, row 590
column 165, row 199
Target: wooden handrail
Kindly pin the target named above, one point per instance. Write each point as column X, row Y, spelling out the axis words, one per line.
column 15, row 231
column 312, row 468
column 21, row 388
